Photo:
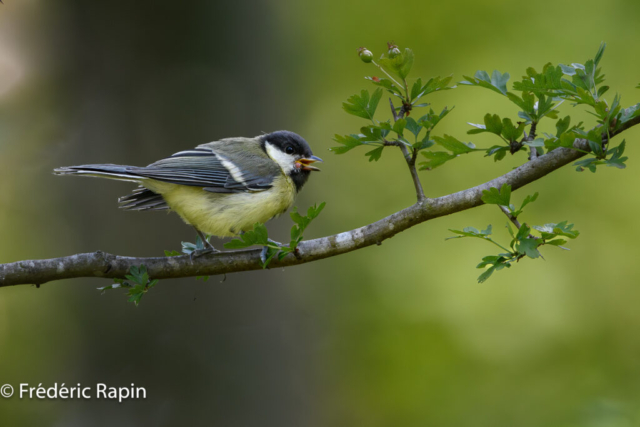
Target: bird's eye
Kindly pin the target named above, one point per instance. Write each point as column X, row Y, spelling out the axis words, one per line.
column 288, row 149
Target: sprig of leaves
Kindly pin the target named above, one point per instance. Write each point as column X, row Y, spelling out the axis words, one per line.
column 611, row 157
column 523, row 243
column 189, row 248
column 540, row 94
column 502, row 197
column 137, row 283
column 260, row 236
column 397, row 130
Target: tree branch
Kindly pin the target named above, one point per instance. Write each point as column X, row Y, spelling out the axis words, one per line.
column 100, row 264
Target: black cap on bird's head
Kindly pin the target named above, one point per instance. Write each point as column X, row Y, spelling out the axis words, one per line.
column 293, row 155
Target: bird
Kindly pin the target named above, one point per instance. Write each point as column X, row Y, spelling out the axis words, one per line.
column 221, row 188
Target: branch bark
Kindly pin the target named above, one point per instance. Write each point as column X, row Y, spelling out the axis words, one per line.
column 101, row 264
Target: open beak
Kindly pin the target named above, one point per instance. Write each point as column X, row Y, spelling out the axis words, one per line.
column 305, row 163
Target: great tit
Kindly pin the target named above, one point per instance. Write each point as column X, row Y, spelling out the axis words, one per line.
column 221, row 188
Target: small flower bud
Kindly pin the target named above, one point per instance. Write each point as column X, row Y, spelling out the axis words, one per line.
column 365, row 55
column 393, row 50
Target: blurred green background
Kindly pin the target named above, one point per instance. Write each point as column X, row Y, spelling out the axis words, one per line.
column 397, row 335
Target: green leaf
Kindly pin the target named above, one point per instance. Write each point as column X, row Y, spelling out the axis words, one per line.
column 546, row 83
column 257, row 236
column 550, row 231
column 271, row 253
column 302, row 222
column 399, row 125
column 562, row 125
column 171, row 253
column 188, row 247
column 602, row 90
column 527, row 200
column 438, row 158
column 142, row 283
column 500, row 81
column 629, row 113
column 510, row 132
column 471, row 232
column 456, row 147
column 527, row 103
column 497, row 82
column 372, row 134
column 493, row 123
column 435, row 84
column 435, row 159
column 556, row 242
column 616, row 159
column 529, row 246
column 498, row 151
column 501, row 197
column 400, row 65
column 599, row 54
column 567, row 70
column 545, row 107
column 589, row 163
column 496, row 263
column 538, row 142
column 363, row 106
column 348, row 142
column 416, row 89
column 412, row 126
column 375, row 154
column 387, row 84
column 431, row 119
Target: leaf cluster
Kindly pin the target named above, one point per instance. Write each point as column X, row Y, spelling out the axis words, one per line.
column 540, row 93
column 400, row 129
column 137, row 283
column 523, row 243
column 259, row 235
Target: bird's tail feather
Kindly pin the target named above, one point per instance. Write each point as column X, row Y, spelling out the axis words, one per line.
column 117, row 172
column 142, row 199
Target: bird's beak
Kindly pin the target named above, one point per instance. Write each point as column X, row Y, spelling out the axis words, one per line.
column 305, row 163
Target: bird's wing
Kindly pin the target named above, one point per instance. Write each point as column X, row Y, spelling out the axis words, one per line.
column 210, row 169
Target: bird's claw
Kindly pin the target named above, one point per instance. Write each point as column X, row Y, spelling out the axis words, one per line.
column 265, row 251
column 199, row 252
column 263, row 254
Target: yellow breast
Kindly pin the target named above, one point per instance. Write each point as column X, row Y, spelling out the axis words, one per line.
column 225, row 215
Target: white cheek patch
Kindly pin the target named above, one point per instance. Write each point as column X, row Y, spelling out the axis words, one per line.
column 287, row 162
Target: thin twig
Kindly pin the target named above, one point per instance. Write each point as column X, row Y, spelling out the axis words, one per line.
column 410, row 158
column 512, row 218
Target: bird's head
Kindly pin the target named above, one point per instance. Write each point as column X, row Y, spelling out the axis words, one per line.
column 292, row 153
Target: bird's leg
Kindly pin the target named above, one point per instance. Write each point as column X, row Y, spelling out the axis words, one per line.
column 265, row 250
column 275, row 243
column 205, row 241
column 208, row 247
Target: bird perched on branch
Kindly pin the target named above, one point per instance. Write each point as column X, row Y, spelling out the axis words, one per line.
column 221, row 188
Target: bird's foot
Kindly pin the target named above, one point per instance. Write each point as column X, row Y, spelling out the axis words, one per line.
column 204, row 251
column 269, row 251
